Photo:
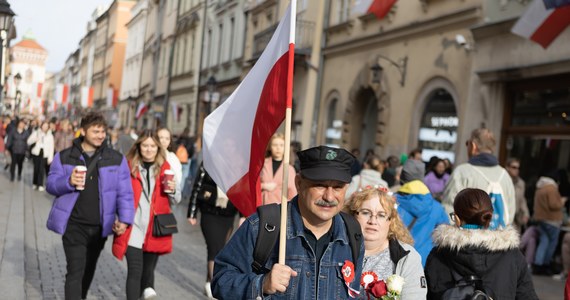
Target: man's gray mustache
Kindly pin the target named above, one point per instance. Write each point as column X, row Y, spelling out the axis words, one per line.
column 327, row 203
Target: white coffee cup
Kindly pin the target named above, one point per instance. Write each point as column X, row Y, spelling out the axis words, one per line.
column 81, row 170
column 168, row 176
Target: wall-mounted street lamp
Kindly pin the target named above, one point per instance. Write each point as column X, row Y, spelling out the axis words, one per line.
column 6, row 15
column 378, row 70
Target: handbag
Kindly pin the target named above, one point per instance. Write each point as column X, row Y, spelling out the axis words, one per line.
column 164, row 225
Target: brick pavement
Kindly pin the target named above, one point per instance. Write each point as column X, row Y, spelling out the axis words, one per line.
column 32, row 262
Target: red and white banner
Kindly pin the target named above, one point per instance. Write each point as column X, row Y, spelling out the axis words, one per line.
column 380, row 8
column 141, row 110
column 86, row 96
column 61, row 93
column 40, row 87
column 236, row 134
column 542, row 25
column 112, row 97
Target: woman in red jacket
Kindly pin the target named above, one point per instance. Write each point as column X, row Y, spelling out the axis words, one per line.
column 147, row 161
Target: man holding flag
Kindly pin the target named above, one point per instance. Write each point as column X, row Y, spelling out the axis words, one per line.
column 319, row 248
column 319, row 262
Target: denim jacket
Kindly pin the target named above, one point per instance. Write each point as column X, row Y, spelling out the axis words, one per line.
column 235, row 279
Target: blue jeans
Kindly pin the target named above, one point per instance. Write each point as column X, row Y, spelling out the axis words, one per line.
column 547, row 243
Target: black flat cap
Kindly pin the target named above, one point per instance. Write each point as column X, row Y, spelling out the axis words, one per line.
column 325, row 163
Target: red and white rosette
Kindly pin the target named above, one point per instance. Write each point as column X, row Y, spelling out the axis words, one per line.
column 368, row 277
column 347, row 271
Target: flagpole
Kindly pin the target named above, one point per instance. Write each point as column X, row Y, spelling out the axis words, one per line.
column 288, row 112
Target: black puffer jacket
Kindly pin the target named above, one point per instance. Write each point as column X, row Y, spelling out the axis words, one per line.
column 18, row 141
column 204, row 195
column 492, row 255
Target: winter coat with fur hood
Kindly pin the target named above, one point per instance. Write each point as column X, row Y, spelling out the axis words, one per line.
column 492, row 255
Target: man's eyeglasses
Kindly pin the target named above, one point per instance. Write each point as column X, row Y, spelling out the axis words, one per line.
column 367, row 214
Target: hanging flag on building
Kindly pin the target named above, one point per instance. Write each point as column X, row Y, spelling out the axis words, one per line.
column 86, row 96
column 542, row 25
column 556, row 3
column 236, row 134
column 112, row 97
column 40, row 87
column 141, row 110
column 61, row 93
column 380, row 8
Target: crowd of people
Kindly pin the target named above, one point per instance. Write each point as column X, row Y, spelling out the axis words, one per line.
column 431, row 226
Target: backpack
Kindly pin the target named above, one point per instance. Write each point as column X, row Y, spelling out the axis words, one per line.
column 269, row 224
column 466, row 288
column 495, row 191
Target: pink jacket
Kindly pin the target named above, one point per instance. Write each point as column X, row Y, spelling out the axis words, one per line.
column 267, row 176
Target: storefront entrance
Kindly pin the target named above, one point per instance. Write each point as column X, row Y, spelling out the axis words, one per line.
column 536, row 129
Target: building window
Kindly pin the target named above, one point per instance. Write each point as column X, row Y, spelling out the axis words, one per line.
column 220, row 43
column 182, row 54
column 209, row 46
column 189, row 54
column 343, row 10
column 438, row 127
column 334, row 127
column 232, row 38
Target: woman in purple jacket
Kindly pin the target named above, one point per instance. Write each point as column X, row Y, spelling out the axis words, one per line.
column 436, row 179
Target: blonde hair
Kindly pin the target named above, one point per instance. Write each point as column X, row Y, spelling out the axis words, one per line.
column 277, row 135
column 135, row 158
column 397, row 230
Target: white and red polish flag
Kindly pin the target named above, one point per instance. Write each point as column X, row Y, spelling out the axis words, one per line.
column 141, row 110
column 542, row 25
column 86, row 96
column 236, row 134
column 379, row 8
column 61, row 92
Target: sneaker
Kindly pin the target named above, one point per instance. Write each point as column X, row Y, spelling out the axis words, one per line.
column 19, row 177
column 41, row 188
column 149, row 293
column 559, row 277
column 35, row 187
column 208, row 290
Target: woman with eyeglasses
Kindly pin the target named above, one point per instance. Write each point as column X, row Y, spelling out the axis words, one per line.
column 154, row 195
column 387, row 243
column 469, row 251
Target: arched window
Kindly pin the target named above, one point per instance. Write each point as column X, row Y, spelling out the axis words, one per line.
column 438, row 127
column 334, row 127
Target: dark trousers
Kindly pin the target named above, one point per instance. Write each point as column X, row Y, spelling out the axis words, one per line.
column 17, row 159
column 82, row 245
column 39, row 168
column 140, row 271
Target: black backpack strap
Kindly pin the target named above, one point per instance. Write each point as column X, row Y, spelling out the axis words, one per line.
column 269, row 225
column 354, row 232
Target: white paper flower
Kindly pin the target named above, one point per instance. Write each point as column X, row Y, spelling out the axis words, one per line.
column 395, row 284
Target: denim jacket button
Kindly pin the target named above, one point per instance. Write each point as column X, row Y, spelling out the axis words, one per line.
column 308, row 274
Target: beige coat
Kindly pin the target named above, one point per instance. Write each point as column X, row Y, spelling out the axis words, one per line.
column 547, row 201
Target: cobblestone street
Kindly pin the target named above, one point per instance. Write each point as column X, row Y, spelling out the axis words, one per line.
column 32, row 262
column 179, row 275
